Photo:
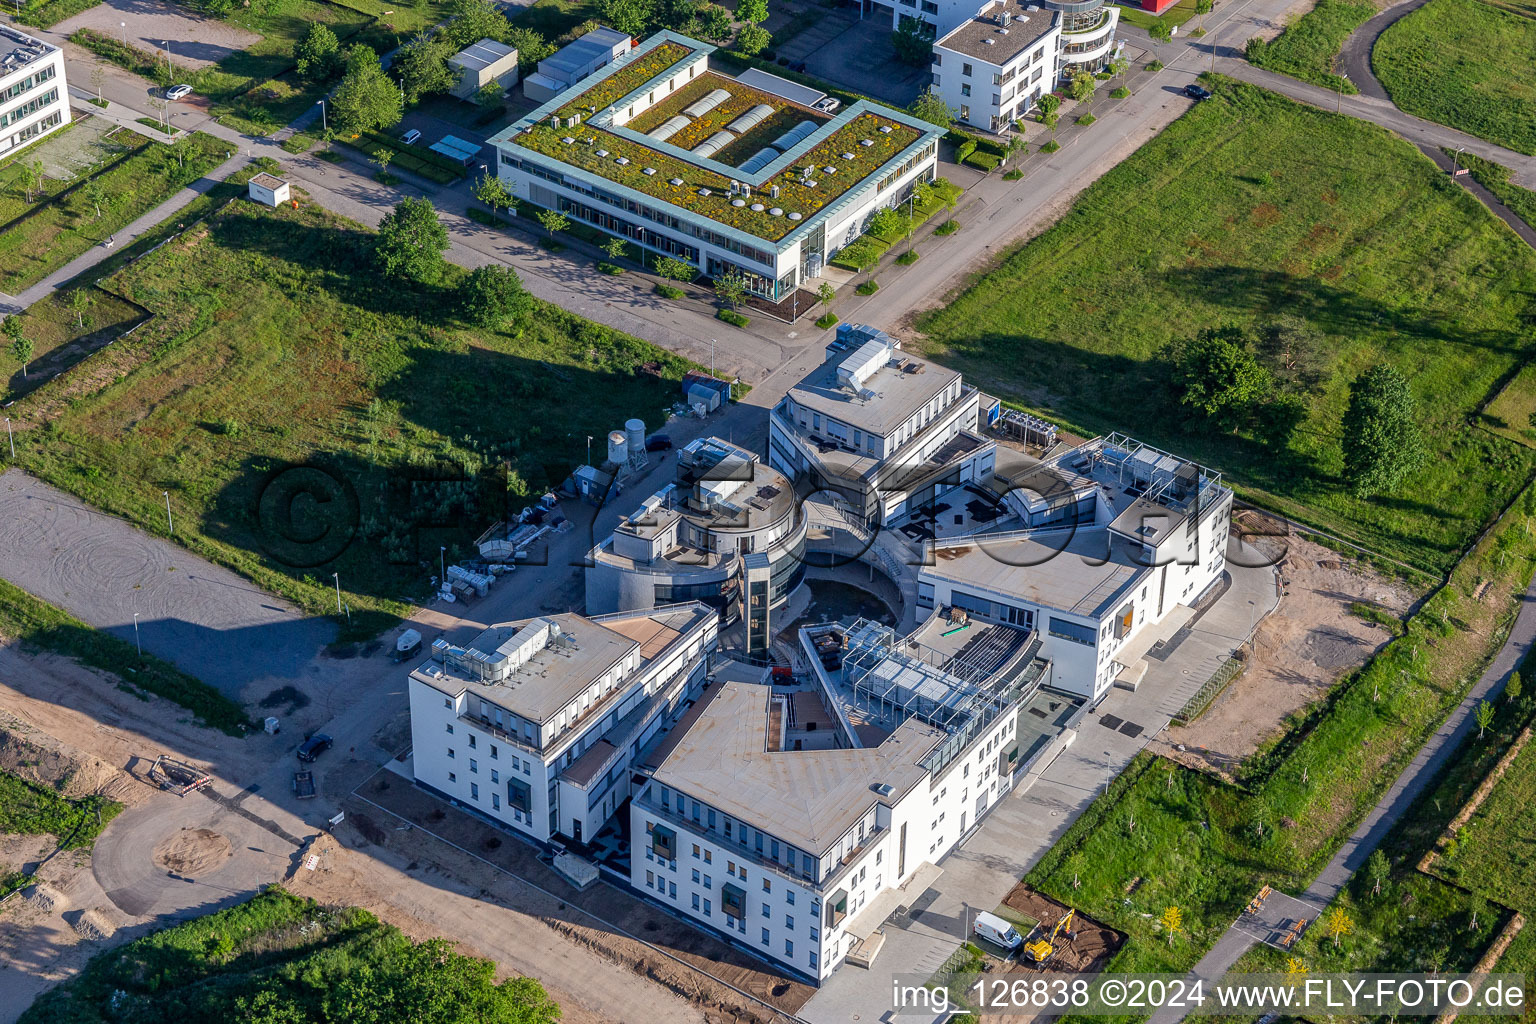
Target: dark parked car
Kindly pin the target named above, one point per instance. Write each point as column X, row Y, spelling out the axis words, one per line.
column 313, row 747
column 1195, row 92
column 658, row 443
column 798, row 66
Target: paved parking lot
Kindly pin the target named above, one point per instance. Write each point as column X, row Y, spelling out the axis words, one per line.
column 101, row 569
column 150, row 25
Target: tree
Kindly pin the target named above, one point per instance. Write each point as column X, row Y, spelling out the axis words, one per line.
column 1202, row 8
column 753, row 40
column 1161, row 31
column 474, row 20
column 1016, row 144
column 95, row 193
column 673, row 269
column 753, row 12
column 1377, row 868
column 491, row 295
column 615, row 248
column 1050, row 110
column 492, row 191
column 366, row 100
column 1513, row 687
column 1339, row 925
column 932, row 109
column 411, row 242
column 1484, row 716
column 530, row 46
column 714, row 22
column 318, row 55
column 490, row 95
column 553, row 221
column 1295, row 351
column 79, row 302
column 1082, row 86
column 884, row 221
column 98, row 76
column 1118, row 65
column 632, row 17
column 731, row 289
column 1173, row 922
column 31, row 177
column 913, row 42
column 21, row 350
column 1217, row 374
column 422, row 67
column 1381, row 434
column 825, row 293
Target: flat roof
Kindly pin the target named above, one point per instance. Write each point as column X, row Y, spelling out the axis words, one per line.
column 808, row 798
column 268, row 181
column 897, row 394
column 17, row 50
column 804, row 95
column 1081, row 572
column 862, row 142
column 482, row 55
column 598, row 42
column 987, row 39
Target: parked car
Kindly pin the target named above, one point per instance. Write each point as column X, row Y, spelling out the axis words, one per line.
column 798, row 66
column 1195, row 92
column 177, row 92
column 410, row 137
column 313, row 747
column 658, row 443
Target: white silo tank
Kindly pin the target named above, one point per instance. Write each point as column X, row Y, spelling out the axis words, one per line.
column 635, row 428
column 618, row 448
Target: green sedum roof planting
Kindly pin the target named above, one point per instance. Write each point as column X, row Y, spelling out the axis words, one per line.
column 865, row 140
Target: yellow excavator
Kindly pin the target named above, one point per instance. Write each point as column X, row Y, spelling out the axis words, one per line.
column 1041, row 949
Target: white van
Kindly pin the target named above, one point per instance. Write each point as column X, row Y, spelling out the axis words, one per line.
column 997, row 931
column 410, row 137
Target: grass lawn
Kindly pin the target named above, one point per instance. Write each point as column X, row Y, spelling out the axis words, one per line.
column 1495, row 853
column 1308, row 46
column 290, row 960
column 1178, row 14
column 1495, row 178
column 1246, row 208
column 30, row 809
column 56, row 232
column 1166, row 836
column 14, row 201
column 276, row 344
column 1465, row 64
column 60, row 339
column 554, row 18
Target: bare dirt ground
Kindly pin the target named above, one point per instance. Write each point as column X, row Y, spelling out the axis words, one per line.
column 1301, row 649
column 603, row 918
column 192, row 40
column 1090, row 944
column 193, row 851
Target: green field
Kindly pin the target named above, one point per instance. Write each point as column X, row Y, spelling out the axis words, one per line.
column 30, row 809
column 56, row 231
column 1178, row 14
column 277, row 958
column 276, row 344
column 60, row 339
column 1166, row 836
column 1465, row 64
column 1308, row 46
column 1495, row 852
column 1249, row 208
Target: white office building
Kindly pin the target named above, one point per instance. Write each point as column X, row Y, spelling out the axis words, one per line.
column 1114, row 535
column 534, row 724
column 34, row 99
column 993, row 66
column 885, row 432
column 795, row 843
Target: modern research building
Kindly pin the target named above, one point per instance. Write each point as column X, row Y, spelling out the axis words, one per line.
column 750, row 176
column 33, row 97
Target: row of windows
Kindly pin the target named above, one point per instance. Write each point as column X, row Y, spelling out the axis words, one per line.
column 45, row 74
column 30, row 107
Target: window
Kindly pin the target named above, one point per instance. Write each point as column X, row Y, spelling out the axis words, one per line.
column 767, row 911
column 450, row 753
column 474, row 767
column 672, row 889
column 965, row 90
column 493, row 752
column 695, row 851
column 965, row 112
column 474, row 791
column 471, row 740
column 495, row 801
column 789, row 947
column 765, row 936
column 789, row 921
column 447, row 703
column 1073, row 631
column 495, row 777
column 709, row 857
column 938, row 59
column 450, row 728
column 789, row 896
column 452, row 777
column 695, row 901
column 965, row 69
column 767, row 885
column 813, row 960
column 650, row 879
column 695, row 876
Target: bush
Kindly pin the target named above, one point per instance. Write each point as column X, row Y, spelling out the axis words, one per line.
column 949, row 227
column 612, row 269
column 1014, row 175
column 485, row 217
column 907, row 258
column 860, row 254
column 1086, row 120
column 984, row 161
column 868, row 287
column 964, row 150
column 330, row 156
column 732, row 317
column 826, row 321
column 1050, row 147
column 1155, row 66
column 1120, row 93
column 670, row 291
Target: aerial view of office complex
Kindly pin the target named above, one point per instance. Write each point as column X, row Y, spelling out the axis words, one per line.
column 766, row 511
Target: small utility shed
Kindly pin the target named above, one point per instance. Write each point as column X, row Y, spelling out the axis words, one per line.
column 482, row 63
column 268, row 188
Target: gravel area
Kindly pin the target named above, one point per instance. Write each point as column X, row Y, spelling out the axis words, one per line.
column 209, row 621
column 193, row 40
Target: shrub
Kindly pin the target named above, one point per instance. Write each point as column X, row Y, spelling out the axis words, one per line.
column 907, row 258
column 965, row 149
column 1120, row 93
column 732, row 317
column 826, row 321
column 984, row 161
column 609, row 268
column 485, row 217
column 1086, row 120
column 670, row 291
column 949, row 227
column 1014, row 175
column 1155, row 66
column 1050, row 147
column 868, row 287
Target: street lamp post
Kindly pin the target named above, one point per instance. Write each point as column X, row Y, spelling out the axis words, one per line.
column 1340, row 108
column 124, row 26
column 136, row 635
column 10, row 437
column 169, row 527
column 442, row 564
column 1455, row 166
column 337, row 577
column 323, row 126
column 711, row 357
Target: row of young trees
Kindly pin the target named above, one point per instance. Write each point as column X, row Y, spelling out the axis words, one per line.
column 699, row 18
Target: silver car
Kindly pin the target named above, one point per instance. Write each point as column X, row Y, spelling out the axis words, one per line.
column 177, row 92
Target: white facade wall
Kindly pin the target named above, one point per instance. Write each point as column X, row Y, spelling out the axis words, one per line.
column 943, row 15
column 992, row 95
column 34, row 99
column 788, row 917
